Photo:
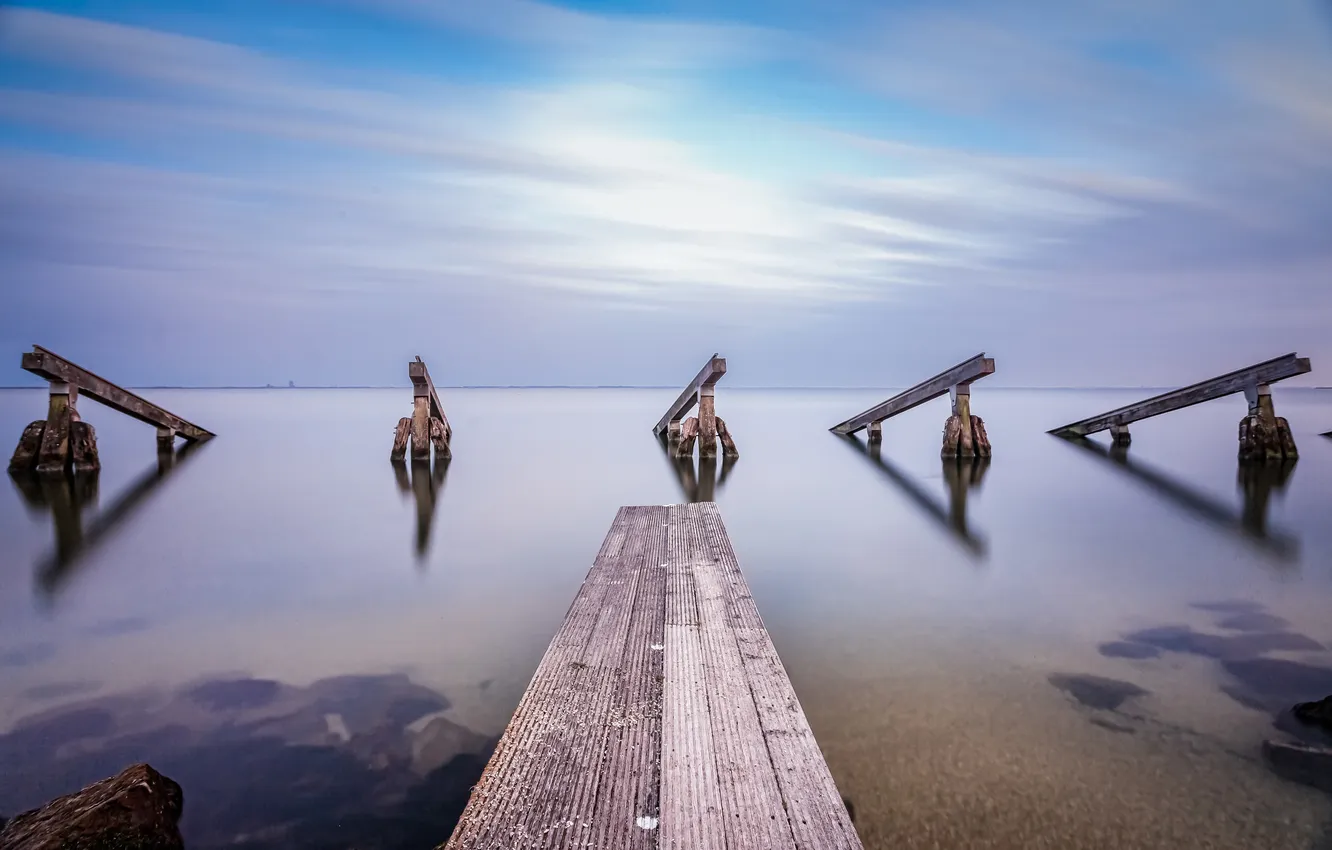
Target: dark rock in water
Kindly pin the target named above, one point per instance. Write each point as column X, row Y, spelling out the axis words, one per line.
column 1096, row 691
column 1289, row 721
column 1229, row 606
column 234, row 694
column 1300, row 763
column 1185, row 639
column 1253, row 621
column 1128, row 649
column 1289, row 681
column 1316, row 713
column 1114, row 727
column 55, row 690
column 136, row 810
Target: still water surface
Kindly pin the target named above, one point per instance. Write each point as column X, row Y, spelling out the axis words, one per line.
column 1053, row 650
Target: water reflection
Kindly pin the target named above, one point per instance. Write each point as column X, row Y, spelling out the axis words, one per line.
column 67, row 498
column 960, row 474
column 425, row 485
column 1257, row 482
column 373, row 760
column 701, row 485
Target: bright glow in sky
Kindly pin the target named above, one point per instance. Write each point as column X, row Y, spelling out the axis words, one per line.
column 839, row 193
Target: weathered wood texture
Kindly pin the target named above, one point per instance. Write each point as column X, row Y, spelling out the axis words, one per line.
column 400, row 436
column 961, row 374
column 1268, row 372
column 53, row 367
column 424, row 387
column 708, row 376
column 660, row 716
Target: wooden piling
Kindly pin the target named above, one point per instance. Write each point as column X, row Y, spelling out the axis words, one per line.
column 1263, row 436
column 428, row 427
column 964, row 434
column 64, row 442
column 701, row 391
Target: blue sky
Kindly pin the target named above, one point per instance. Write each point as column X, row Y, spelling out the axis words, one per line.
column 832, row 193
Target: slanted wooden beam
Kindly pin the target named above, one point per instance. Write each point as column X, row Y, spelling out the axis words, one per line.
column 1239, row 381
column 960, row 375
column 423, row 387
column 708, row 376
column 56, row 369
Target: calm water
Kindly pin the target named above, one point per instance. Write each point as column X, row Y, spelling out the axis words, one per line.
column 321, row 648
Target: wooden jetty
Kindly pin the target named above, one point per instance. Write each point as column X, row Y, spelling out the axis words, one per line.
column 1262, row 434
column 964, row 434
column 707, row 427
column 63, row 441
column 660, row 716
column 427, row 425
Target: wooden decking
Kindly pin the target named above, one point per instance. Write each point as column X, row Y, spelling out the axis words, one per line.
column 660, row 716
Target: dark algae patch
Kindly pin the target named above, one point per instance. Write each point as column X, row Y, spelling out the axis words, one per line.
column 1128, row 649
column 1096, row 691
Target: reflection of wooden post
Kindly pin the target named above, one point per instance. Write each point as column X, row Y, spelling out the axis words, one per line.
column 707, row 478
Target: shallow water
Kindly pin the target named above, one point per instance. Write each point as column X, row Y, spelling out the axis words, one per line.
column 321, row 648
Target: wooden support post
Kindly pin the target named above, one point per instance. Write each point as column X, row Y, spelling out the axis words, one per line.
column 707, row 421
column 439, row 437
column 874, row 432
column 1119, row 435
column 166, row 440
column 1264, row 436
column 958, row 440
column 401, row 434
column 53, row 457
column 688, row 433
column 420, row 428
column 83, row 447
column 29, row 446
column 728, row 443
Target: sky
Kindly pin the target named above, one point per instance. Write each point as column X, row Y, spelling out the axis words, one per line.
column 828, row 193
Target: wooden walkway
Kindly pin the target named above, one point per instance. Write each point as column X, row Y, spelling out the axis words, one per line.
column 660, row 716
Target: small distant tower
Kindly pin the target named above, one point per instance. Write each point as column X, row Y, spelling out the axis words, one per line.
column 291, row 385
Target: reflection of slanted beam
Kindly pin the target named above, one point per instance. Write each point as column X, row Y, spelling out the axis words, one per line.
column 74, row 544
column 57, row 369
column 1238, row 381
column 708, row 376
column 956, row 525
column 960, row 375
column 1199, row 504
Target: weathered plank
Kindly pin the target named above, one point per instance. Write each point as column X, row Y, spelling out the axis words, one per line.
column 644, row 725
column 53, row 367
column 961, row 374
column 1268, row 372
column 424, row 387
column 708, row 376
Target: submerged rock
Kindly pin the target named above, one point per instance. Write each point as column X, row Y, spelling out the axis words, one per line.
column 1316, row 713
column 1128, row 649
column 1300, row 763
column 1096, row 691
column 135, row 810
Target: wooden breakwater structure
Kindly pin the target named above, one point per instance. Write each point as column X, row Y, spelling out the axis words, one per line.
column 427, row 426
column 707, row 427
column 63, row 441
column 964, row 434
column 1262, row 434
column 660, row 715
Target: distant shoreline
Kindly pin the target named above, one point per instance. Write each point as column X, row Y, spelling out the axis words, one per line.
column 616, row 387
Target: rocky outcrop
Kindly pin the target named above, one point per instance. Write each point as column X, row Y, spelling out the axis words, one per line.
column 135, row 810
column 1316, row 713
column 1300, row 763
